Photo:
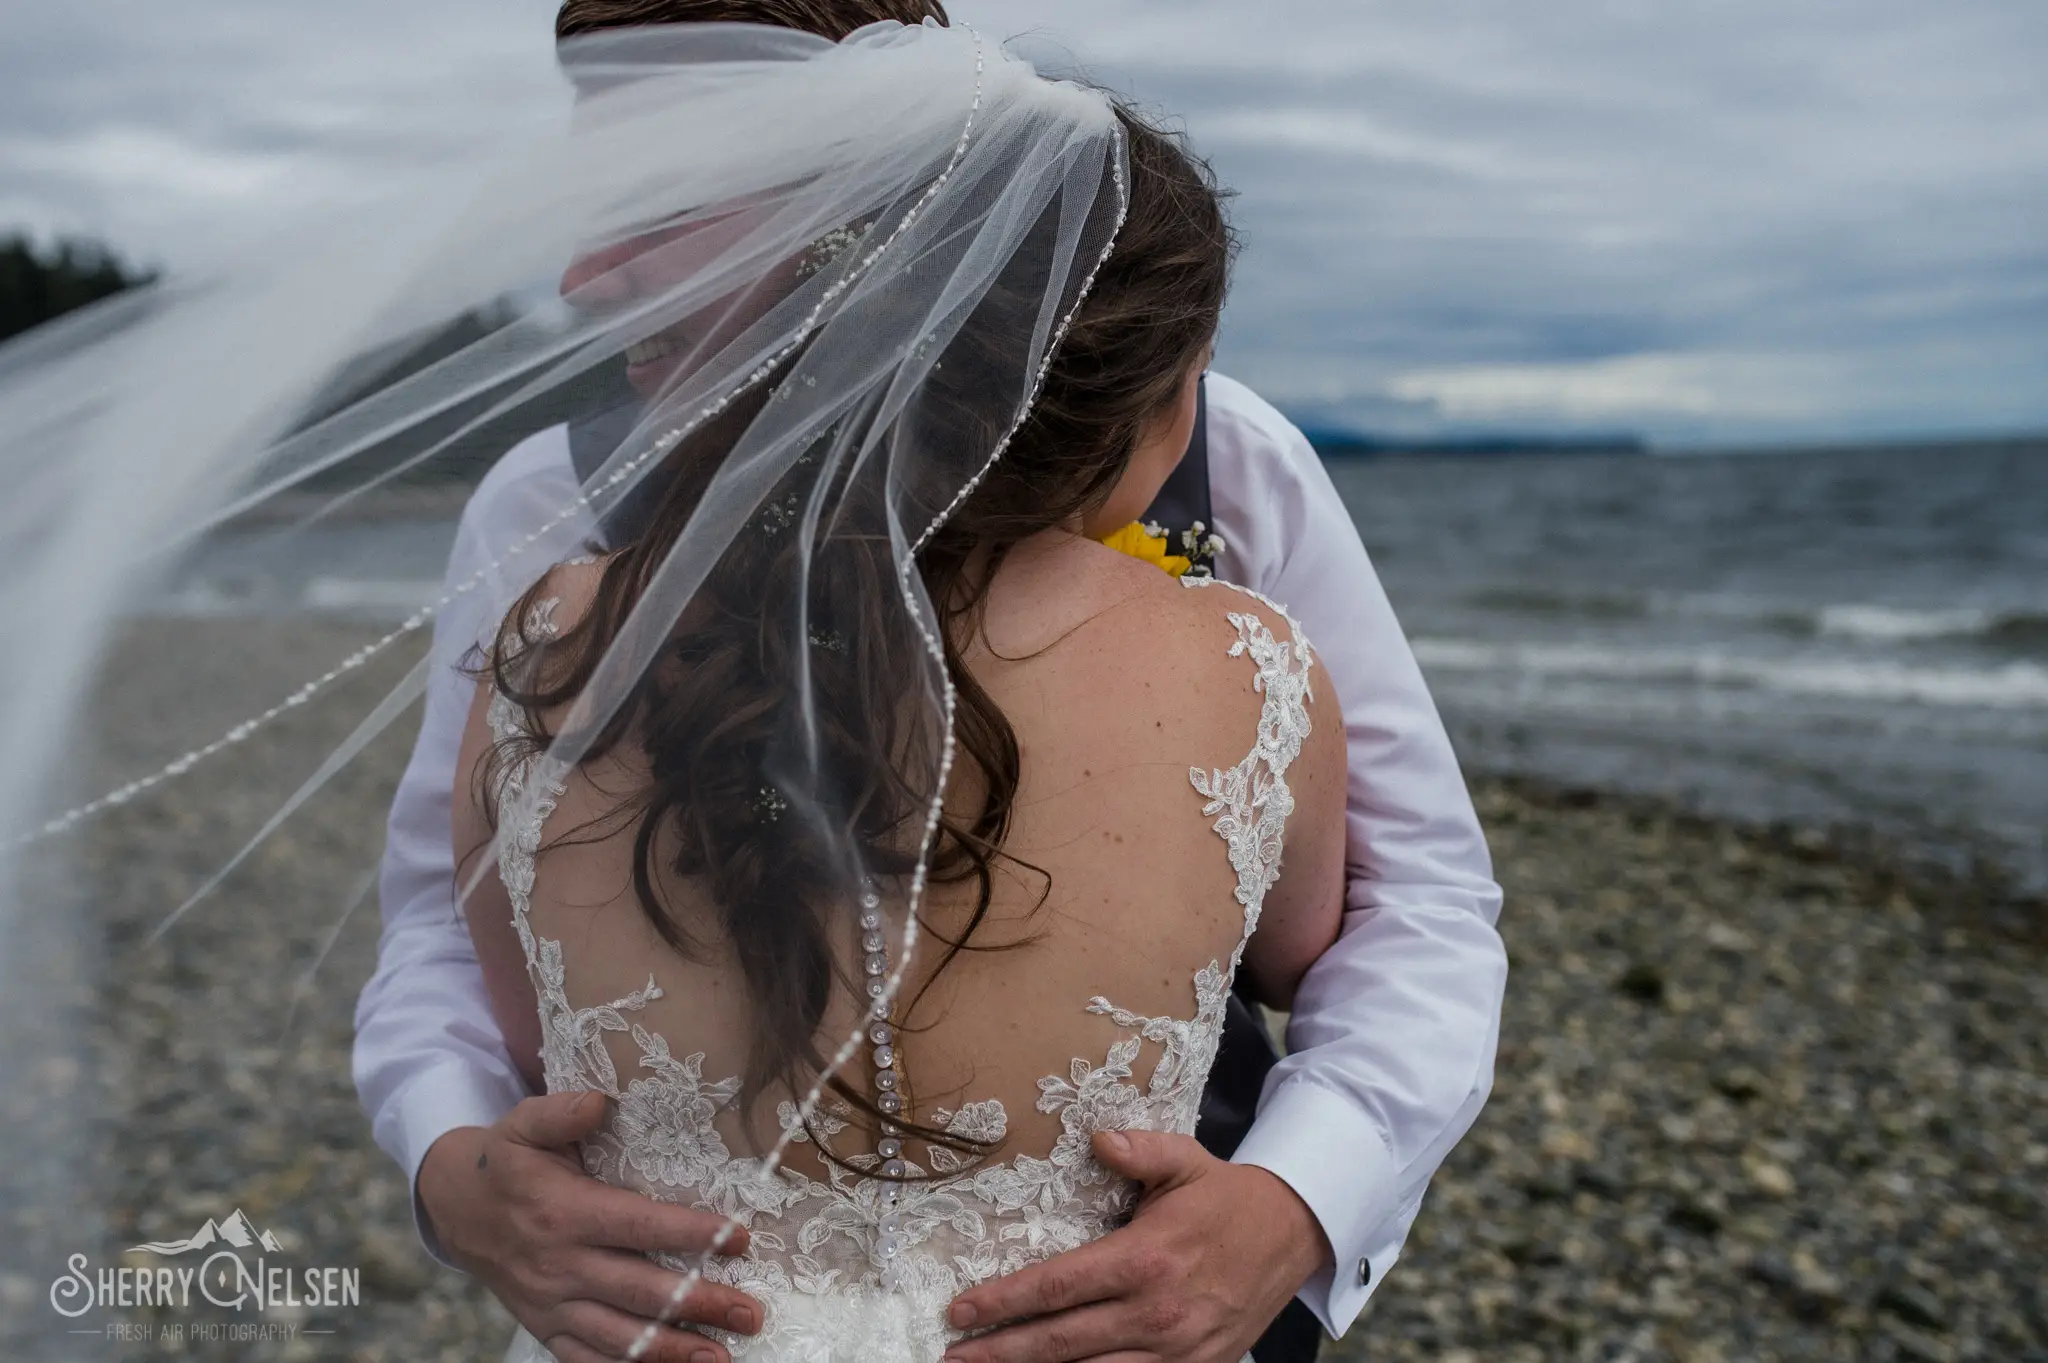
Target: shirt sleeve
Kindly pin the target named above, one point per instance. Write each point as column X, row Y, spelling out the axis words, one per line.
column 429, row 1056
column 1391, row 1043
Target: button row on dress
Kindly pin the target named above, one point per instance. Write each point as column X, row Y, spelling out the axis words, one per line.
column 889, row 1237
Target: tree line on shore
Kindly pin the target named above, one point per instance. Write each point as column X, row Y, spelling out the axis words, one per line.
column 38, row 284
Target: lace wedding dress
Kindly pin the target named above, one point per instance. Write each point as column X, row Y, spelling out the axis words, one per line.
column 845, row 1274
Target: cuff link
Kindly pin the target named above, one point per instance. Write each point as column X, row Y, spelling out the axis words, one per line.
column 1365, row 1273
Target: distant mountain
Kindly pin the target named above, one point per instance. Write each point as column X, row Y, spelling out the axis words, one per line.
column 1334, row 442
column 238, row 1230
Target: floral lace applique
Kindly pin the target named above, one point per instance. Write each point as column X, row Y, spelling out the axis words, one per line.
column 1251, row 801
column 813, row 1256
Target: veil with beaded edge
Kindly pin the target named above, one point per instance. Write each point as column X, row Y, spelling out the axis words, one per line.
column 967, row 203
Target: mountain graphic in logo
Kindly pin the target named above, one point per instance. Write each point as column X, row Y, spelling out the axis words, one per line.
column 238, row 1230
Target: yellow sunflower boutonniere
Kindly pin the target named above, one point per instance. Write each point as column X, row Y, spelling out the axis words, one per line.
column 1147, row 543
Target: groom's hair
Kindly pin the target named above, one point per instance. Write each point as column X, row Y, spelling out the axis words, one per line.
column 832, row 19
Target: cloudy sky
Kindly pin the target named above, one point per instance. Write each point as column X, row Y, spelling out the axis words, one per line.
column 1723, row 221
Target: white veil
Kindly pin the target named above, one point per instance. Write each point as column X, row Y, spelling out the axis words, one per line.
column 858, row 259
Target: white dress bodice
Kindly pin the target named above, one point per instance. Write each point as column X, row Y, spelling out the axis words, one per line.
column 845, row 1277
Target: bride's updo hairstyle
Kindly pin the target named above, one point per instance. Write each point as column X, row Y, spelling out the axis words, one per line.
column 715, row 720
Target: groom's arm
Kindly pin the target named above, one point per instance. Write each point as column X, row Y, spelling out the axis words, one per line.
column 429, row 1056
column 1391, row 1041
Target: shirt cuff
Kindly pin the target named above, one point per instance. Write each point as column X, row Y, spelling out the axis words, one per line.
column 438, row 1102
column 1318, row 1143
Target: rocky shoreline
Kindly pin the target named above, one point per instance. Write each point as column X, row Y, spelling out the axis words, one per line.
column 1761, row 1093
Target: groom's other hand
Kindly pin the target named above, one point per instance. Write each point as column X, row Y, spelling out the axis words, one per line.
column 512, row 1206
column 1212, row 1255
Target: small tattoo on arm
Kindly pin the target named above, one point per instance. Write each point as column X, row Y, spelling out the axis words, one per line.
column 483, row 1159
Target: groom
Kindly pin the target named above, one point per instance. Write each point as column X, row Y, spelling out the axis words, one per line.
column 1392, row 1036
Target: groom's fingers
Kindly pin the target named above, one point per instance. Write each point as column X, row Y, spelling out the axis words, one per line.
column 1091, row 1333
column 604, row 1215
column 647, row 1291
column 1211, row 1255
column 567, row 1349
column 554, row 1120
column 1097, row 1272
column 1116, row 1265
column 1156, row 1159
column 612, row 1335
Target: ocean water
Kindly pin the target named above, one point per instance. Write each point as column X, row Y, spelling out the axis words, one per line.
column 1854, row 636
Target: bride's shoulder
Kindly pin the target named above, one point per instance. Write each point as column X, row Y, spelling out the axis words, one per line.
column 1190, row 611
column 1124, row 626
column 575, row 581
column 560, row 598
column 1236, row 634
column 1215, row 596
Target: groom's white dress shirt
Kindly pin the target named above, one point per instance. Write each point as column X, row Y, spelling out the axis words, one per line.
column 1391, row 1043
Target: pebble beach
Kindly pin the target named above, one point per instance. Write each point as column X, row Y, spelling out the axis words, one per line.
column 1762, row 1093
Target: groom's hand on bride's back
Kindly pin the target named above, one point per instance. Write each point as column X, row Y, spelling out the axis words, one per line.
column 1212, row 1255
column 512, row 1206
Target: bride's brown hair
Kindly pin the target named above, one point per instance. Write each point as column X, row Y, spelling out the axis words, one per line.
column 832, row 19
column 713, row 719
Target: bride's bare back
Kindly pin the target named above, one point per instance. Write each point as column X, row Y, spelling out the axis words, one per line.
column 1174, row 739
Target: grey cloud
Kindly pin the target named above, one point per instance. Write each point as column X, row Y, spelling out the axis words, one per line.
column 167, row 127
column 1847, row 194
column 1775, row 221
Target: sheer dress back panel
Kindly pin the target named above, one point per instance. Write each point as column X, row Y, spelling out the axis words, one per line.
column 1155, row 740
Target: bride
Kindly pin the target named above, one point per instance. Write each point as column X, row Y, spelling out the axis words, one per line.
column 868, row 832
column 930, row 834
